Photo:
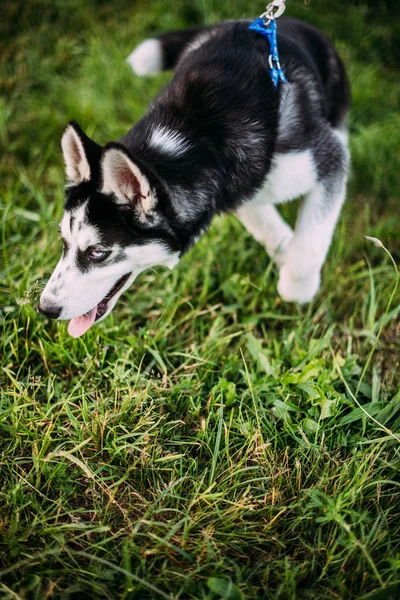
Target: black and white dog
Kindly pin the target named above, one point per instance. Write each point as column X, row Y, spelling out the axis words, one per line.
column 219, row 138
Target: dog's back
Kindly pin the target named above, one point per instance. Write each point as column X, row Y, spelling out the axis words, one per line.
column 300, row 44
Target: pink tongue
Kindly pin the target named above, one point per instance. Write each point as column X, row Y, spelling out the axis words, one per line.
column 80, row 325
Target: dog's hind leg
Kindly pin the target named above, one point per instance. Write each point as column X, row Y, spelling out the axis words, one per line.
column 265, row 223
column 299, row 276
column 161, row 53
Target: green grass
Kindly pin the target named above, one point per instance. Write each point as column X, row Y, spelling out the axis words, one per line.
column 207, row 440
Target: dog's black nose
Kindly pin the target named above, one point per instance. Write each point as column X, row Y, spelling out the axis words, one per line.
column 50, row 310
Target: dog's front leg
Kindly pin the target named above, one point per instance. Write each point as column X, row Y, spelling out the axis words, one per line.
column 300, row 273
column 265, row 223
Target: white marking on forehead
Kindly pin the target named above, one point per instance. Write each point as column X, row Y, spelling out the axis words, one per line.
column 65, row 228
column 87, row 236
column 79, row 216
column 171, row 142
column 77, row 231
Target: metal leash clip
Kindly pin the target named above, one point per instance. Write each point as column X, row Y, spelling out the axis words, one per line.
column 266, row 26
column 273, row 10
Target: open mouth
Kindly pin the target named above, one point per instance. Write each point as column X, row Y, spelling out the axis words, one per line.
column 80, row 325
column 102, row 306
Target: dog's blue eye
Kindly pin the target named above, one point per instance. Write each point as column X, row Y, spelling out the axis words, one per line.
column 99, row 254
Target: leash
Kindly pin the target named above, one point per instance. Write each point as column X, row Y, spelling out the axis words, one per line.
column 266, row 26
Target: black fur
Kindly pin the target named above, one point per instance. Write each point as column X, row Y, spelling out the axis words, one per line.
column 174, row 42
column 221, row 99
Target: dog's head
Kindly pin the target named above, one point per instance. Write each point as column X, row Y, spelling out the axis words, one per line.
column 114, row 226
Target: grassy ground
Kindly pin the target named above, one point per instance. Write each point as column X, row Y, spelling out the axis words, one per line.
column 206, row 440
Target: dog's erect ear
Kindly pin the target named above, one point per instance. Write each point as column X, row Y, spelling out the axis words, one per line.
column 81, row 154
column 123, row 178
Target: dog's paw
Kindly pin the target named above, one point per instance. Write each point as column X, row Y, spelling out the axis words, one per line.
column 298, row 289
column 147, row 58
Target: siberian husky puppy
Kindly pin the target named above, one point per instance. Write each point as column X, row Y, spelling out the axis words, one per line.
column 219, row 138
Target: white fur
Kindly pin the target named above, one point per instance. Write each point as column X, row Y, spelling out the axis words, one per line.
column 169, row 141
column 267, row 226
column 152, row 254
column 76, row 292
column 147, row 58
column 298, row 289
column 292, row 175
column 199, row 40
column 81, row 235
column 299, row 254
column 77, row 167
column 343, row 135
column 299, row 277
column 65, row 228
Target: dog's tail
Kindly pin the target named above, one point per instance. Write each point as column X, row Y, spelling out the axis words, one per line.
column 161, row 53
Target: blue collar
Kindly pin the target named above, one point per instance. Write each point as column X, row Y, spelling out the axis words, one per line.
column 269, row 32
